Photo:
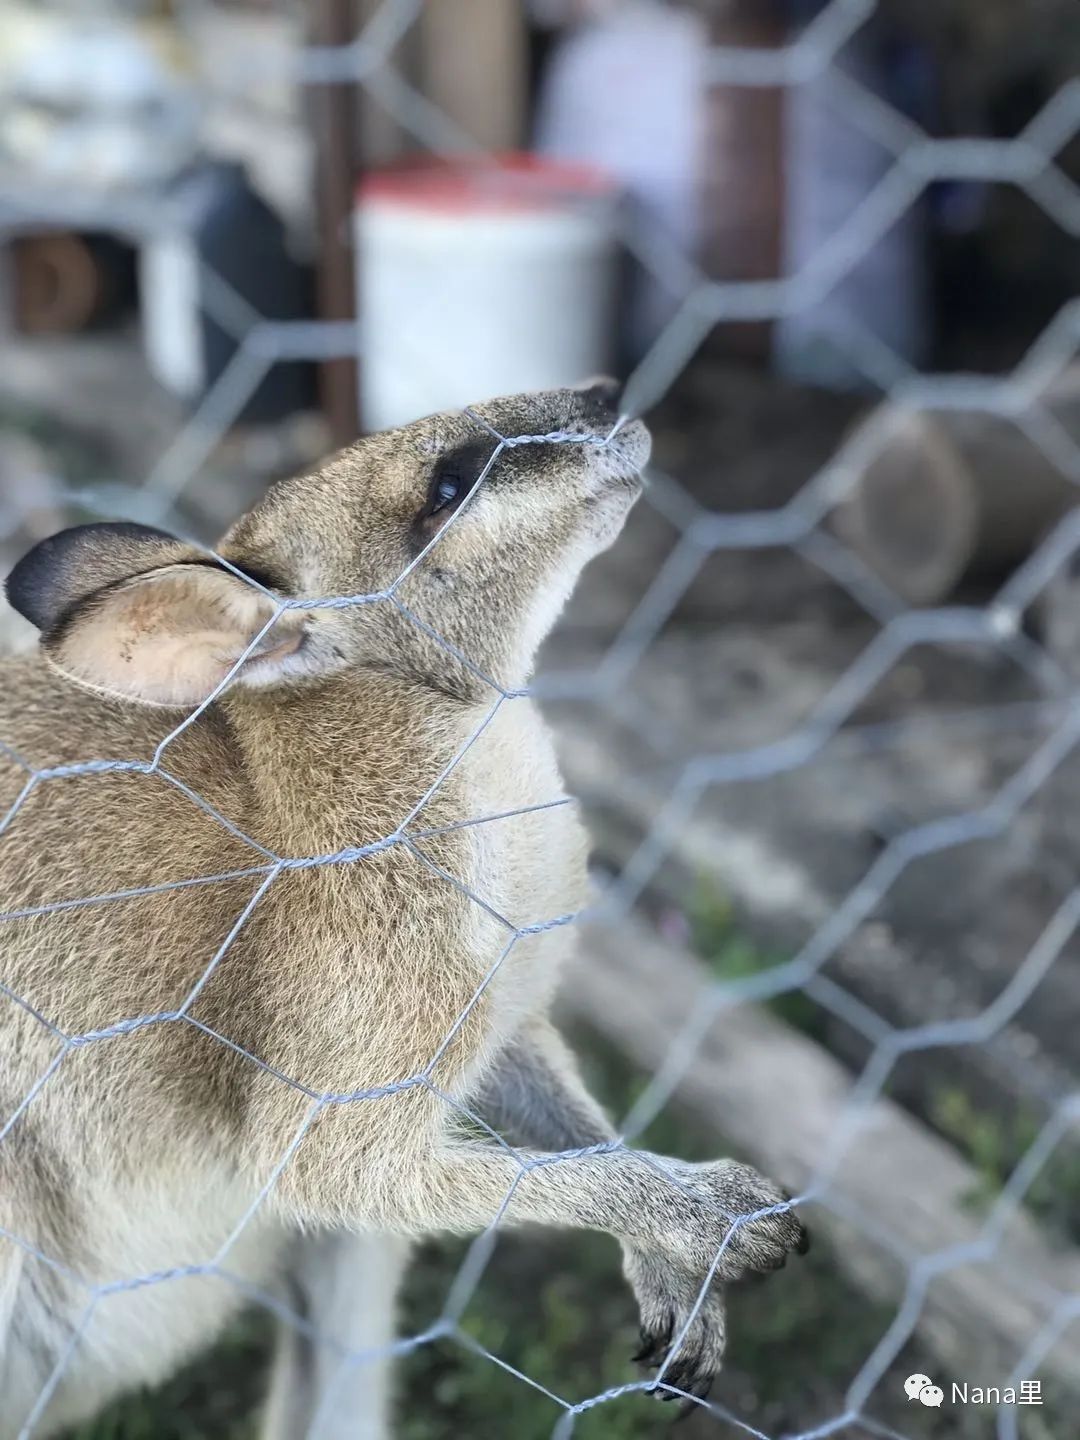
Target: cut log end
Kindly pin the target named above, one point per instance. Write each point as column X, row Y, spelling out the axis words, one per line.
column 913, row 517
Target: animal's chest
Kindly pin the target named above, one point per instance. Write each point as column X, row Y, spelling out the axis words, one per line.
column 523, row 866
column 372, row 964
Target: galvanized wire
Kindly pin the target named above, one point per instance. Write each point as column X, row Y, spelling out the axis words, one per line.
column 1027, row 161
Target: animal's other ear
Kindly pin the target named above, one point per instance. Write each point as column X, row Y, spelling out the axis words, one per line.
column 132, row 612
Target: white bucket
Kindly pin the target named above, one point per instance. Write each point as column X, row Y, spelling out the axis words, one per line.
column 478, row 279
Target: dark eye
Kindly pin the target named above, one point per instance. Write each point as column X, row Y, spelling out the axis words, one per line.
column 448, row 489
column 452, row 480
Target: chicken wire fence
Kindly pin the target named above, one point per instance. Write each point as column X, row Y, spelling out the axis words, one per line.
column 1026, row 161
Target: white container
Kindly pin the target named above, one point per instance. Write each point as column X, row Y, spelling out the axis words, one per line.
column 478, row 279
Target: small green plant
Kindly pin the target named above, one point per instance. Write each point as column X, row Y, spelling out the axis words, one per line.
column 982, row 1138
column 995, row 1144
column 732, row 955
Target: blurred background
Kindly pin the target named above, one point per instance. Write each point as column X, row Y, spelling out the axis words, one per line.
column 820, row 702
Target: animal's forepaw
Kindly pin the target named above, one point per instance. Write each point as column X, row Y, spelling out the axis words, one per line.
column 730, row 1220
column 682, row 1330
column 745, row 1221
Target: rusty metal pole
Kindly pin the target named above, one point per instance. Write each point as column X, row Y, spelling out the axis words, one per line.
column 334, row 124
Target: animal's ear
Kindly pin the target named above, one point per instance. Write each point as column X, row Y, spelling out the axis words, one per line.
column 133, row 612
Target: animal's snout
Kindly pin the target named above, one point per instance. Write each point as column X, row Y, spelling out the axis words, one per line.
column 599, row 411
column 600, row 397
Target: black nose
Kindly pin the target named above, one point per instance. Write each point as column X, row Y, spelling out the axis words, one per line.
column 600, row 400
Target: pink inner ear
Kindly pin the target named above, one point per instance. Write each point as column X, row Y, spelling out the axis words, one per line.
column 170, row 637
column 286, row 646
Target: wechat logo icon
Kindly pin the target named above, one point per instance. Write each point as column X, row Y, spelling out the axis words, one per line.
column 921, row 1387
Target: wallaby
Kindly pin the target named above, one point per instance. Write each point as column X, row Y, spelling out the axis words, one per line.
column 263, row 957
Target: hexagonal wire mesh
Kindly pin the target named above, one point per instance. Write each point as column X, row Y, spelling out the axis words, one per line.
column 1027, row 162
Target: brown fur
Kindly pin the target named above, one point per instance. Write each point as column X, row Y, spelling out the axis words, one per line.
column 312, row 1035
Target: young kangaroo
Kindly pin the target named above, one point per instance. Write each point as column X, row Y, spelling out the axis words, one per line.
column 259, row 958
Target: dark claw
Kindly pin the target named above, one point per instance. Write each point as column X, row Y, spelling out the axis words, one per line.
column 802, row 1244
column 654, row 1346
column 650, row 1359
column 684, row 1376
column 673, row 1377
column 698, row 1393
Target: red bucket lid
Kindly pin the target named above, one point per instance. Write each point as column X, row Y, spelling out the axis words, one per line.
column 516, row 181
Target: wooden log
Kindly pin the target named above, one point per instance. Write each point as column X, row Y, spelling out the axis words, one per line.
column 897, row 1191
column 785, row 853
column 956, row 495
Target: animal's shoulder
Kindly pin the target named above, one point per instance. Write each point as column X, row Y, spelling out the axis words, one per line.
column 49, row 720
column 77, row 788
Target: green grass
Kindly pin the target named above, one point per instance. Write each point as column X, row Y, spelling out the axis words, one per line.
column 994, row 1145
column 731, row 955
